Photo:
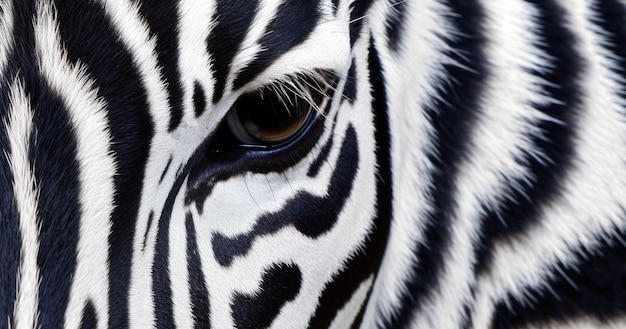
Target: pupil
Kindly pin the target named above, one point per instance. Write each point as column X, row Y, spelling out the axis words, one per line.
column 270, row 118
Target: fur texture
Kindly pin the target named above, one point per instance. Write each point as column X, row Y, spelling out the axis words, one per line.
column 461, row 163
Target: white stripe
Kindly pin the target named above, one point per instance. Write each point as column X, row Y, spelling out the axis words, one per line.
column 19, row 130
column 591, row 208
column 333, row 32
column 413, row 77
column 6, row 31
column 135, row 34
column 349, row 312
column 177, row 267
column 498, row 139
column 96, row 169
column 194, row 62
column 250, row 46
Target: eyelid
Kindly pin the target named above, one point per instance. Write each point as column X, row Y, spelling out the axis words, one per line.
column 275, row 113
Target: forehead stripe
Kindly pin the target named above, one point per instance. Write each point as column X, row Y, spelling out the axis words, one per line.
column 292, row 25
column 233, row 22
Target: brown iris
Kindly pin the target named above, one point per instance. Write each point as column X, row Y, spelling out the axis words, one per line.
column 268, row 117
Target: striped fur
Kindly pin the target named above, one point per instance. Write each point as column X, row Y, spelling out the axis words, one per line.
column 466, row 168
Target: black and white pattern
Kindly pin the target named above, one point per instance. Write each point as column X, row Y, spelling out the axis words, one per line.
column 312, row 163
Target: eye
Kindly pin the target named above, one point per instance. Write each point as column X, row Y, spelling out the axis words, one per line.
column 276, row 114
column 268, row 118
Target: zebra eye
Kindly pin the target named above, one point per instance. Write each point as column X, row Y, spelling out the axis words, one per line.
column 267, row 118
column 278, row 113
column 275, row 115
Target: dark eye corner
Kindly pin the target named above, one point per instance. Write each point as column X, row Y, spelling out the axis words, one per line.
column 275, row 114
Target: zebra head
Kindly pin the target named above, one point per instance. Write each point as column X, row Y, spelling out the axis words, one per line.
column 312, row 163
column 194, row 163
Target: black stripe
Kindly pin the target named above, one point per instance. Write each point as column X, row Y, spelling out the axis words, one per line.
column 200, row 306
column 311, row 215
column 335, row 6
column 233, row 21
column 594, row 289
column 59, row 202
column 358, row 10
column 161, row 283
column 20, row 63
column 322, row 157
column 107, row 61
column 367, row 261
column 612, row 20
column 10, row 237
column 148, row 228
column 340, row 290
column 162, row 19
column 378, row 239
column 90, row 318
column 454, row 111
column 293, row 23
column 349, row 89
column 519, row 212
column 358, row 319
column 384, row 177
column 199, row 99
column 280, row 284
column 395, row 23
column 167, row 167
column 53, row 143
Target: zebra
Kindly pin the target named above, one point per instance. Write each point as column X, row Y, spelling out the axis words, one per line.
column 312, row 164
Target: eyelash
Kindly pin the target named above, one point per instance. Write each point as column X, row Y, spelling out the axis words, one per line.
column 275, row 114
